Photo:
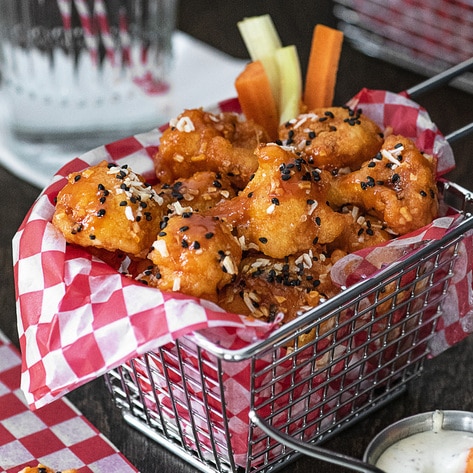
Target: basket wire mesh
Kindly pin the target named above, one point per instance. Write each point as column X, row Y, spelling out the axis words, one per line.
column 210, row 405
column 426, row 37
column 368, row 343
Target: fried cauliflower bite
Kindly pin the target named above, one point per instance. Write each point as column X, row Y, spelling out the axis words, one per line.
column 283, row 209
column 333, row 138
column 202, row 141
column 44, row 469
column 202, row 191
column 361, row 231
column 267, row 286
column 398, row 186
column 195, row 254
column 108, row 207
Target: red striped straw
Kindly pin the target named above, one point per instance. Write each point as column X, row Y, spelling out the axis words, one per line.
column 65, row 10
column 88, row 28
column 100, row 13
column 124, row 36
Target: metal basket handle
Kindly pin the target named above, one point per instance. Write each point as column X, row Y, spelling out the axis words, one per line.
column 312, row 450
column 440, row 79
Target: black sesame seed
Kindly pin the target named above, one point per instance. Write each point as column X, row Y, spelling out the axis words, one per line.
column 196, row 245
column 312, row 135
column 371, row 164
column 370, row 231
column 275, row 201
column 209, row 235
column 100, row 212
column 184, row 228
column 184, row 244
column 286, row 177
column 395, row 178
column 101, row 187
column 102, row 200
column 318, row 221
column 187, row 215
column 315, row 240
column 250, row 195
column 123, row 203
column 423, row 193
column 77, row 178
column 263, row 240
column 92, row 237
column 162, row 234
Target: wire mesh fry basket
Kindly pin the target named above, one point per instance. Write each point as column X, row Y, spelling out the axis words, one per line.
column 194, row 397
column 217, row 404
column 426, row 37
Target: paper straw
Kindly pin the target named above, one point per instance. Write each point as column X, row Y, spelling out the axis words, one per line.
column 124, row 36
column 87, row 26
column 100, row 13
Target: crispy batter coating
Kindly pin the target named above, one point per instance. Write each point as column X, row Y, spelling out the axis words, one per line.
column 109, row 207
column 203, row 141
column 334, row 137
column 202, row 191
column 267, row 286
column 283, row 209
column 397, row 186
column 196, row 255
column 361, row 231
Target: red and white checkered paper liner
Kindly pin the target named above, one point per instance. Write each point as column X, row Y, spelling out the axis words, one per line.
column 78, row 318
column 57, row 435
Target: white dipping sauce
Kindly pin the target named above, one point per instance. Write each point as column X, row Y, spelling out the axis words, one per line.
column 433, row 451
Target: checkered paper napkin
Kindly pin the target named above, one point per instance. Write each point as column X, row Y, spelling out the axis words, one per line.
column 56, row 435
column 78, row 317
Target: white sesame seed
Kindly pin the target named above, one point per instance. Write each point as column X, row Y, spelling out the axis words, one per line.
column 184, row 124
column 176, row 285
column 129, row 213
column 161, row 247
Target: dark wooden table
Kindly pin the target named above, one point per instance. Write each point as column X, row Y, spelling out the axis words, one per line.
column 447, row 381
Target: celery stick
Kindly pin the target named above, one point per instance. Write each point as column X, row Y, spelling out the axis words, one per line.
column 262, row 40
column 260, row 36
column 290, row 87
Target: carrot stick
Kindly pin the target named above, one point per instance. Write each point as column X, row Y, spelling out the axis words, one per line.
column 322, row 67
column 256, row 98
column 469, row 462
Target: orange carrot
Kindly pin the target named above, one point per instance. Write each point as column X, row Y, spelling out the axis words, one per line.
column 322, row 67
column 256, row 98
column 469, row 462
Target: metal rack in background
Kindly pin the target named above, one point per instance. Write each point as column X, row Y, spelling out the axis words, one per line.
column 366, row 344
column 425, row 37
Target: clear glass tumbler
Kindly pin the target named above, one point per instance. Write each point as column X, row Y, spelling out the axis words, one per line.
column 79, row 73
